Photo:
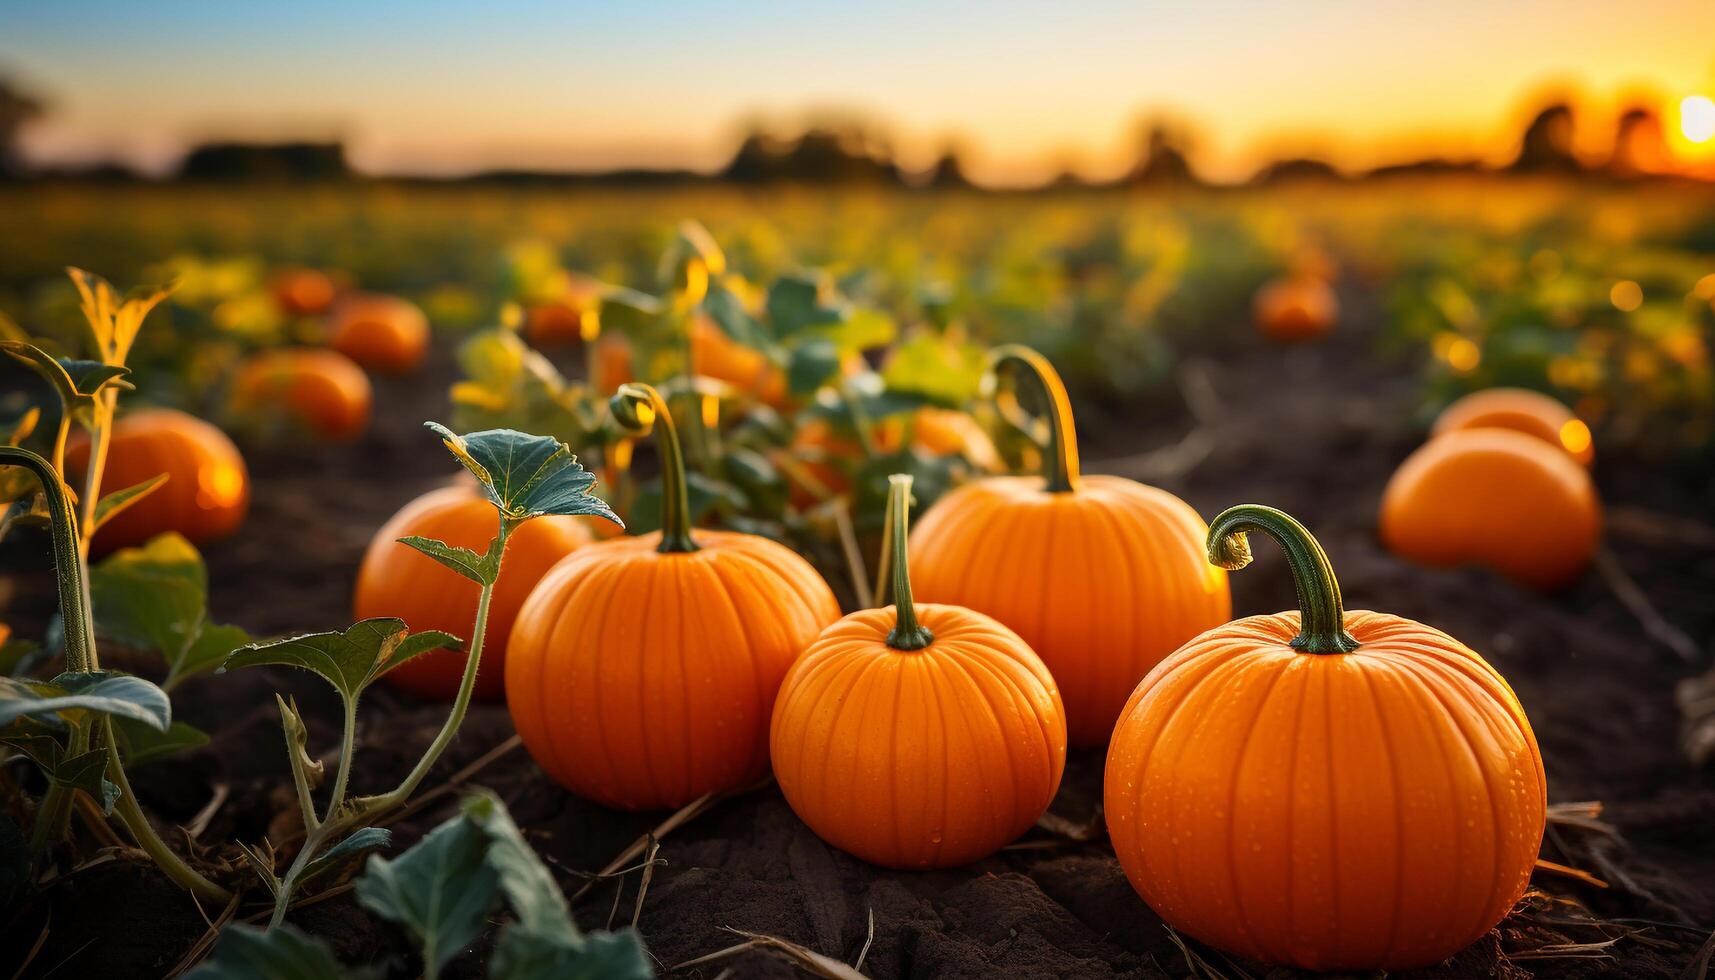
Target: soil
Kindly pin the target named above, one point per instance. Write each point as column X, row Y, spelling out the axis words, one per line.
column 1314, row 430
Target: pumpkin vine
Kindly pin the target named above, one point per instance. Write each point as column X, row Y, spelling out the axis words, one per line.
column 1323, row 617
column 1060, row 456
column 640, row 408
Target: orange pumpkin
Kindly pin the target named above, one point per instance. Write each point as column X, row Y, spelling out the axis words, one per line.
column 1298, row 308
column 553, row 325
column 321, row 389
column 385, row 334
column 395, row 580
column 302, row 292
column 642, row 671
column 1523, row 410
column 873, row 739
column 611, row 363
column 207, row 490
column 1498, row 498
column 817, row 449
column 715, row 355
column 1323, row 789
column 1101, row 575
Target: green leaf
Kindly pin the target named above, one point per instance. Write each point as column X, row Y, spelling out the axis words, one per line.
column 727, row 311
column 947, row 373
column 281, row 953
column 155, row 598
column 115, row 503
column 118, row 695
column 88, row 772
column 526, row 476
column 349, row 660
column 76, row 381
column 357, row 843
column 812, row 365
column 482, row 569
column 795, row 302
column 527, row 883
column 439, row 891
column 139, row 743
column 522, row 955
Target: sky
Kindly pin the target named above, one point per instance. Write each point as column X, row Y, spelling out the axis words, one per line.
column 1025, row 89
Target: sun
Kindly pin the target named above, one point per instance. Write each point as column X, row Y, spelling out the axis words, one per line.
column 1697, row 118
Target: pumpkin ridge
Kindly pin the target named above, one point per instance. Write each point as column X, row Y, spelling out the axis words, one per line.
column 719, row 571
column 1328, row 671
column 897, row 669
column 984, row 728
column 1291, row 782
column 938, row 839
column 1436, row 684
column 971, row 663
column 1398, row 814
column 682, row 597
column 859, row 684
column 603, row 616
column 543, row 690
column 1422, row 696
column 1242, row 918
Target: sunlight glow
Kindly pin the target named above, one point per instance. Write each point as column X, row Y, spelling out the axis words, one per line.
column 1697, row 118
column 1575, row 436
column 219, row 485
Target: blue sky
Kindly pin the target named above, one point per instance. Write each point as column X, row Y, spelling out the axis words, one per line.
column 444, row 87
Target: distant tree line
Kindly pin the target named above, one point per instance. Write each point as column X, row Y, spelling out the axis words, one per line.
column 852, row 151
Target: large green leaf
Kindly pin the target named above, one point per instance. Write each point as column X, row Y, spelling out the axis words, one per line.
column 118, row 695
column 727, row 311
column 439, row 891
column 350, row 659
column 155, row 597
column 795, row 302
column 281, row 953
column 526, row 476
column 943, row 371
column 812, row 365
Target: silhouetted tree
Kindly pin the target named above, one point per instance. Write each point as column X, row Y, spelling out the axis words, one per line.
column 1640, row 148
column 17, row 110
column 948, row 173
column 1296, row 168
column 1547, row 143
column 265, row 161
column 1163, row 160
column 840, row 153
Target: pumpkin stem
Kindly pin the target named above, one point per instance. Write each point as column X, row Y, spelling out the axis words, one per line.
column 907, row 632
column 1060, row 460
column 640, row 408
column 1323, row 626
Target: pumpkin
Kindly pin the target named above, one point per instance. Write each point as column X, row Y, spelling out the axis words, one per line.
column 918, row 736
column 395, row 580
column 642, row 671
column 320, row 389
column 552, row 325
column 1324, row 789
column 1101, row 575
column 1523, row 410
column 814, row 469
column 611, row 363
column 715, row 355
column 207, row 490
column 1498, row 498
column 1296, row 308
column 385, row 334
column 302, row 292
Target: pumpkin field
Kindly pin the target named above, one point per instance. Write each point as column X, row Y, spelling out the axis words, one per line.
column 450, row 580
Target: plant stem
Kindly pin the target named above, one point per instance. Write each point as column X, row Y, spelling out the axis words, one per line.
column 639, row 407
column 132, row 816
column 69, row 570
column 1060, row 457
column 100, row 428
column 1323, row 619
column 907, row 633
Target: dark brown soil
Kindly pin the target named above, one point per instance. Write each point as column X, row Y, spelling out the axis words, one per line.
column 1313, row 430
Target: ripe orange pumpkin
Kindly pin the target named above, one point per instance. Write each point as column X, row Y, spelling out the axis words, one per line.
column 918, row 736
column 611, row 363
column 1297, row 308
column 207, row 491
column 1101, row 575
column 715, row 355
column 395, row 580
column 1498, row 498
column 642, row 671
column 1324, row 789
column 552, row 325
column 1523, row 410
column 302, row 292
column 383, row 333
column 323, row 390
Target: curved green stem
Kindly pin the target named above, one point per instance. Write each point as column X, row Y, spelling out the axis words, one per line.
column 907, row 633
column 134, row 819
column 1323, row 626
column 68, row 559
column 100, row 431
column 1060, row 458
column 640, row 408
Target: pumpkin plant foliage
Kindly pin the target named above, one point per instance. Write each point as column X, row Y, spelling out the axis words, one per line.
column 524, row 477
column 443, row 892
